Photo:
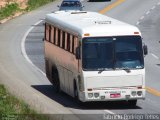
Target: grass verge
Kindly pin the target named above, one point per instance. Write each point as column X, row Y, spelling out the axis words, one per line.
column 14, row 109
column 12, row 8
column 33, row 4
column 8, row 10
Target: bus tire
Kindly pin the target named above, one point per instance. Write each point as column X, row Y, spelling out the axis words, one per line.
column 76, row 96
column 55, row 79
column 132, row 103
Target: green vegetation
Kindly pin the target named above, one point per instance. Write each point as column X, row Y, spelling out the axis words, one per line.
column 14, row 109
column 8, row 10
column 33, row 4
column 11, row 8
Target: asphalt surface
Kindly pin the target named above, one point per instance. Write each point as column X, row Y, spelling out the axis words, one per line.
column 15, row 70
column 17, row 74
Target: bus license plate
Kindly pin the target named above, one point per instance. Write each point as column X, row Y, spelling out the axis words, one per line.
column 115, row 95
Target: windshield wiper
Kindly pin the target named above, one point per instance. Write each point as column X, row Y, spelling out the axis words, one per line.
column 128, row 70
column 100, row 70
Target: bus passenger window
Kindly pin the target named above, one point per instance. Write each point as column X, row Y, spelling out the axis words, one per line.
column 50, row 28
column 52, row 34
column 73, row 40
column 58, row 39
column 68, row 41
column 54, row 40
column 75, row 44
column 63, row 39
column 47, row 32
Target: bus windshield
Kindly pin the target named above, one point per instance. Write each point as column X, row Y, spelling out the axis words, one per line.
column 120, row 52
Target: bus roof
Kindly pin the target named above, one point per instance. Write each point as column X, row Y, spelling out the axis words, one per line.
column 90, row 24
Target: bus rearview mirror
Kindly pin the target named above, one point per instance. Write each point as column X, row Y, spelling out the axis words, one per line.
column 145, row 49
column 78, row 54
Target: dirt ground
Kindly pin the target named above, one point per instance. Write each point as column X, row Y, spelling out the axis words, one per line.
column 22, row 3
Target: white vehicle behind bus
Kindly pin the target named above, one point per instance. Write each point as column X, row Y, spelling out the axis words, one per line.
column 93, row 57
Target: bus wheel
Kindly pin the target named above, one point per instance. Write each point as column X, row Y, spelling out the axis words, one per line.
column 76, row 95
column 132, row 103
column 56, row 82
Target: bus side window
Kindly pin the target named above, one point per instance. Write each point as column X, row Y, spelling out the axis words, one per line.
column 68, row 42
column 50, row 28
column 66, row 36
column 52, row 34
column 58, row 37
column 71, row 41
column 63, row 39
column 75, row 44
column 47, row 32
column 54, row 38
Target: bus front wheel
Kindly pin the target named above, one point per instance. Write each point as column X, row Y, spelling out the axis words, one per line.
column 76, row 94
column 132, row 103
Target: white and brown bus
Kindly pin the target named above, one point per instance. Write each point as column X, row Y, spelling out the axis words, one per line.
column 93, row 57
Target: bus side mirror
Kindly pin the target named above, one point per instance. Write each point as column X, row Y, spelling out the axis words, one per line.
column 145, row 49
column 78, row 53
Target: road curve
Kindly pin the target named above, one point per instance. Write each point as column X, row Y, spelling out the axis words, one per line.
column 27, row 82
column 16, row 73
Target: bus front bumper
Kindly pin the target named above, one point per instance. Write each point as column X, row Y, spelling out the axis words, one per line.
column 112, row 95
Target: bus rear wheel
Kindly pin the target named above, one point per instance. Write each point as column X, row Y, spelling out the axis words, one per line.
column 55, row 79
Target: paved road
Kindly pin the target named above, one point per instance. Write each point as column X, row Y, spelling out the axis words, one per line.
column 15, row 70
column 16, row 73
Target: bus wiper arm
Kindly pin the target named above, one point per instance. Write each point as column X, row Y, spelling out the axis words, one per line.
column 100, row 70
column 127, row 69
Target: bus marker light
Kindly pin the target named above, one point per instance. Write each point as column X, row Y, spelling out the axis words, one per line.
column 86, row 34
column 89, row 89
column 140, row 87
column 136, row 33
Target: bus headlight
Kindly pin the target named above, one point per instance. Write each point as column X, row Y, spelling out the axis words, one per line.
column 139, row 93
column 90, row 95
column 96, row 95
column 133, row 93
